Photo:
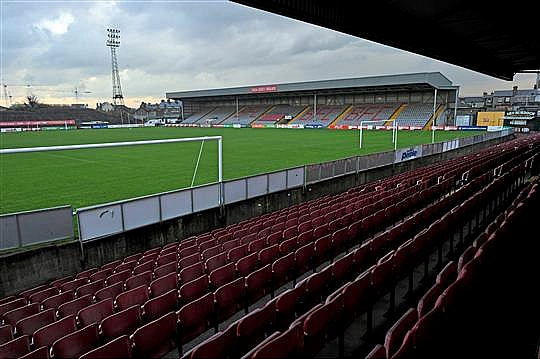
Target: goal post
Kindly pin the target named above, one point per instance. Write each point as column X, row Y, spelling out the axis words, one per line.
column 219, row 140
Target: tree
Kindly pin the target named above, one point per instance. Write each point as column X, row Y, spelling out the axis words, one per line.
column 32, row 102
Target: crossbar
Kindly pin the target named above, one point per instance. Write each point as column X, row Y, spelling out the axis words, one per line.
column 121, row 144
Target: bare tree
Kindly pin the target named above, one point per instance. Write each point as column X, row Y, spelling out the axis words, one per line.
column 32, row 102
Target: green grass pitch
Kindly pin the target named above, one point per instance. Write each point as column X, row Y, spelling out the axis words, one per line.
column 94, row 176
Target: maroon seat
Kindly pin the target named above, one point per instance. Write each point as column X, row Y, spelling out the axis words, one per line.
column 56, row 300
column 191, row 272
column 141, row 279
column 118, row 277
column 111, row 291
column 247, row 264
column 216, row 261
column 123, row 322
column 196, row 317
column 95, row 313
column 235, row 254
column 165, row 269
column 229, row 299
column 342, row 270
column 222, row 344
column 317, row 286
column 14, row 315
column 39, row 353
column 157, row 338
column 6, row 333
column 283, row 270
column 90, row 288
column 144, row 267
column 194, row 289
column 160, row 305
column 268, row 255
column 322, row 324
column 358, row 300
column 15, row 348
column 100, row 275
column 77, row 343
column 47, row 335
column 73, row 306
column 189, row 260
column 32, row 323
column 163, row 284
column 116, row 348
column 135, row 296
column 289, row 305
column 87, row 273
column 448, row 274
column 258, row 284
column 38, row 297
column 126, row 266
column 396, row 333
column 303, row 259
column 428, row 299
column 167, row 258
column 288, row 344
column 211, row 252
column 254, row 327
column 25, row 294
column 74, row 284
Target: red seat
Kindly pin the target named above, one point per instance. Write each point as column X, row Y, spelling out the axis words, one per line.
column 214, row 262
column 254, row 327
column 358, row 300
column 258, row 284
column 163, row 284
column 160, row 305
column 74, row 284
column 6, row 333
column 396, row 333
column 167, row 258
column 96, row 312
column 342, row 270
column 118, row 277
column 47, row 335
column 39, row 353
column 32, row 323
column 191, row 272
column 90, row 288
column 122, row 323
column 135, row 296
column 196, row 317
column 111, row 265
column 220, row 345
column 14, row 315
column 289, row 305
column 72, row 307
column 157, row 338
column 15, row 348
column 24, row 294
column 234, row 254
column 194, row 289
column 229, row 299
column 283, row 270
column 144, row 267
column 138, row 280
column 323, row 249
column 427, row 301
column 211, row 252
column 116, row 348
column 126, row 266
column 100, row 275
column 247, row 264
column 77, row 343
column 268, row 255
column 56, row 300
column 322, row 325
column 189, row 260
column 222, row 275
column 38, row 297
column 111, row 291
column 289, row 344
column 303, row 259
column 171, row 267
column 448, row 274
column 87, row 273
column 317, row 286
column 378, row 352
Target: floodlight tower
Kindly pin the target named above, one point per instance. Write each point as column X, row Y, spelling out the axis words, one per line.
column 113, row 41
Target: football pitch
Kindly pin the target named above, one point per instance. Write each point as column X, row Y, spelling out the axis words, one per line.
column 85, row 177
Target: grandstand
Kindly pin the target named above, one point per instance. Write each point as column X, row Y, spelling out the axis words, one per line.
column 60, row 113
column 338, row 102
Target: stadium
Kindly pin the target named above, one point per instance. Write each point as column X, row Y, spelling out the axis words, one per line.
column 385, row 229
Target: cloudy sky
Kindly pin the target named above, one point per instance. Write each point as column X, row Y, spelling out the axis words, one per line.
column 53, row 49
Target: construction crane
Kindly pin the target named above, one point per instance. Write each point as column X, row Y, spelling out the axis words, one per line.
column 7, row 97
